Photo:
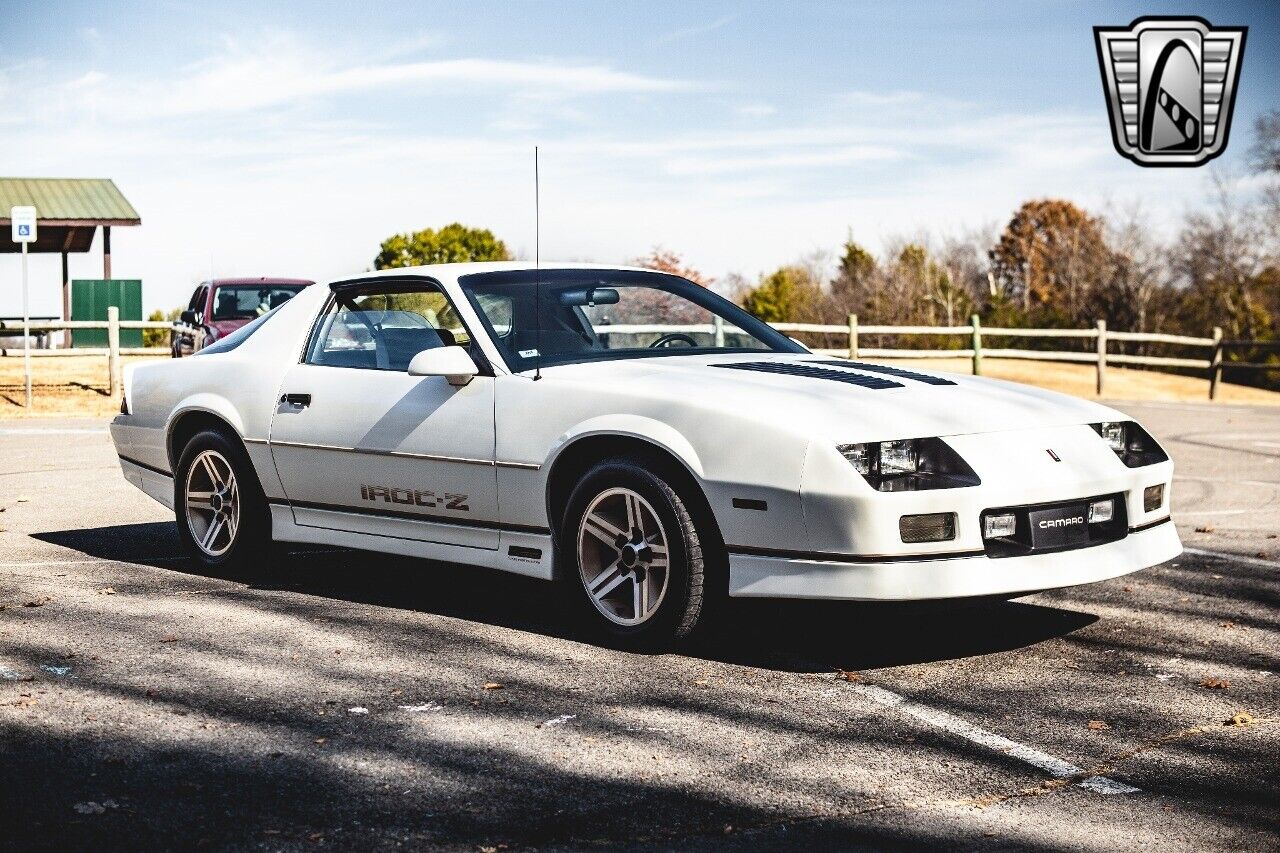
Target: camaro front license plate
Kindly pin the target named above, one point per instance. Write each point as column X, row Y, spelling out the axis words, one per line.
column 1060, row 526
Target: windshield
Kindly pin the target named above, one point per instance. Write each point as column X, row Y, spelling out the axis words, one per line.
column 595, row 315
column 244, row 302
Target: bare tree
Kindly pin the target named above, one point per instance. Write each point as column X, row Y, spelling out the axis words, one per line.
column 1220, row 255
column 1138, row 271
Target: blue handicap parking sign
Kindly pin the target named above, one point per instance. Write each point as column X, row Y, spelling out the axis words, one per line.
column 24, row 230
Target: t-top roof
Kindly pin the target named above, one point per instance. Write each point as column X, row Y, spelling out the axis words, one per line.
column 68, row 201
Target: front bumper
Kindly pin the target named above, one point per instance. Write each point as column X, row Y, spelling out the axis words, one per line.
column 755, row 575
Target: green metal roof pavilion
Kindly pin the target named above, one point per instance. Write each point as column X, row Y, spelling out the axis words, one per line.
column 68, row 212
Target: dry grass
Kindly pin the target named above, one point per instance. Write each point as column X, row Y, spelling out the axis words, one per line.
column 1080, row 379
column 72, row 386
column 77, row 386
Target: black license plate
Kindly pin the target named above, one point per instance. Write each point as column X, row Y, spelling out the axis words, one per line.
column 1060, row 527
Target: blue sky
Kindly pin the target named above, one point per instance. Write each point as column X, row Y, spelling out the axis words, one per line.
column 290, row 138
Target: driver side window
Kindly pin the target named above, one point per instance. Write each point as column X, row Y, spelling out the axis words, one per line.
column 383, row 329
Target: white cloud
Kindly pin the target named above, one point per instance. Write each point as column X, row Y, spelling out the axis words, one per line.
column 882, row 99
column 283, row 72
column 756, row 110
column 697, row 30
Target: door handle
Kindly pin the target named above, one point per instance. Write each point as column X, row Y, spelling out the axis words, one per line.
column 299, row 400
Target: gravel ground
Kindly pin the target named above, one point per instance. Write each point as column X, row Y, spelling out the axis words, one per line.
column 353, row 701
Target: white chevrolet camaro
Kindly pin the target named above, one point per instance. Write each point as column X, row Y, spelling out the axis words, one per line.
column 637, row 438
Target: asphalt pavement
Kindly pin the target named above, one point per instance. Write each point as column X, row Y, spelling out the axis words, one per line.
column 365, row 702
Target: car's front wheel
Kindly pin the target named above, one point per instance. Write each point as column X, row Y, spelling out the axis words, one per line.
column 222, row 514
column 636, row 561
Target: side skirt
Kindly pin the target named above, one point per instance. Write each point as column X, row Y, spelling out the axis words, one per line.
column 285, row 529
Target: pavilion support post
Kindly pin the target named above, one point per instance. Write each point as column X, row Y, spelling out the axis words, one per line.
column 106, row 251
column 66, row 300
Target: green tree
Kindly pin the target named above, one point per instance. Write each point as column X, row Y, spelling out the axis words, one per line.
column 455, row 243
column 787, row 295
column 159, row 337
column 857, row 284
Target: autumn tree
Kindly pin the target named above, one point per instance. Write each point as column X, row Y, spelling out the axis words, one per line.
column 454, row 243
column 663, row 260
column 652, row 306
column 1052, row 255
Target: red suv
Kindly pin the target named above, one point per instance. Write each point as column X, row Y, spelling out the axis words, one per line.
column 221, row 306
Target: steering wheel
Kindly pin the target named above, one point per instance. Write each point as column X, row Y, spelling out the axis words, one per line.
column 670, row 338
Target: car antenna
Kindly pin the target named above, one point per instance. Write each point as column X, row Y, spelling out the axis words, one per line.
column 537, row 271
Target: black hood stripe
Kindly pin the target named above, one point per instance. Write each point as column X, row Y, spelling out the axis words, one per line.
column 810, row 371
column 890, row 371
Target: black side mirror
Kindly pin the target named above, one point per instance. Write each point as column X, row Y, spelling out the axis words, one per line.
column 189, row 317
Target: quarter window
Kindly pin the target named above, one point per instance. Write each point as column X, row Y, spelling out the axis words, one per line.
column 383, row 329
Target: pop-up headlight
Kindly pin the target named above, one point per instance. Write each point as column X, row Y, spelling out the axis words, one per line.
column 909, row 465
column 1133, row 444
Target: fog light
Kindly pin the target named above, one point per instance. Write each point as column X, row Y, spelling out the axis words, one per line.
column 999, row 526
column 1100, row 511
column 934, row 527
column 1152, row 498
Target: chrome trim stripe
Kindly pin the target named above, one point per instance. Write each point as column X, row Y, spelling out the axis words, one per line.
column 451, row 520
column 434, row 457
column 523, row 466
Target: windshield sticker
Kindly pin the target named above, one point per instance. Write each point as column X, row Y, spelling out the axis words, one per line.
column 528, row 353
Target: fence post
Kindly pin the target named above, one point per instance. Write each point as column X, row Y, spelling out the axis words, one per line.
column 1215, row 363
column 853, row 336
column 1102, row 356
column 113, row 348
column 976, row 326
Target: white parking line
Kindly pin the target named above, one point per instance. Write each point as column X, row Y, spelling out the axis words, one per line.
column 173, row 558
column 26, row 563
column 1225, row 481
column 947, row 722
column 1233, row 558
column 1184, row 512
column 49, row 431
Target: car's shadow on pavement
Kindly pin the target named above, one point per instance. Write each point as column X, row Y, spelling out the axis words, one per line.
column 770, row 634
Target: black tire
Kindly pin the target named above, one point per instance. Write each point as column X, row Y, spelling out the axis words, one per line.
column 249, row 551
column 688, row 591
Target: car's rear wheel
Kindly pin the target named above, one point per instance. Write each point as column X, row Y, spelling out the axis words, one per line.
column 222, row 514
column 635, row 559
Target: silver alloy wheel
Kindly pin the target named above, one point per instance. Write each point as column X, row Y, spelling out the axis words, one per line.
column 623, row 556
column 213, row 503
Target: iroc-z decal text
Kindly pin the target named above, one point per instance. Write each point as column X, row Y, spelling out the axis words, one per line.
column 414, row 497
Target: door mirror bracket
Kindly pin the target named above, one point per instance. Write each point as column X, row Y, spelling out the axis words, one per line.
column 453, row 363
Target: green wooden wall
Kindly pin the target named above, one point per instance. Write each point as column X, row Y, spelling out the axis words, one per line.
column 90, row 298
